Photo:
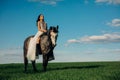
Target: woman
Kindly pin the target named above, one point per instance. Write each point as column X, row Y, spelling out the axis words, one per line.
column 34, row 42
column 41, row 25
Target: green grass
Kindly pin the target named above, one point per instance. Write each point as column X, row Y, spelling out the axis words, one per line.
column 63, row 71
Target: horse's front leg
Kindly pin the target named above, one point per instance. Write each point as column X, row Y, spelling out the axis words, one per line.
column 45, row 62
column 34, row 66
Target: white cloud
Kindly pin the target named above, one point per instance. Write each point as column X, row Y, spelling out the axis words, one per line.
column 11, row 55
column 114, row 23
column 47, row 2
column 73, row 41
column 99, row 54
column 105, row 50
column 105, row 38
column 16, row 55
column 108, row 1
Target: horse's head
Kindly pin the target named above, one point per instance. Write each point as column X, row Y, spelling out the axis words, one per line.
column 54, row 34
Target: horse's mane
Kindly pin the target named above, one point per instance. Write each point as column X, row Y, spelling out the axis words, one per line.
column 45, row 42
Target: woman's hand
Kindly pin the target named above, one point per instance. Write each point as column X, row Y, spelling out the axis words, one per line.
column 44, row 30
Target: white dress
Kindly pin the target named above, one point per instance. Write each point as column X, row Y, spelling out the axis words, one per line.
column 31, row 53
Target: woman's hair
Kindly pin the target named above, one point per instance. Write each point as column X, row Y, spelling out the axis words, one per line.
column 39, row 19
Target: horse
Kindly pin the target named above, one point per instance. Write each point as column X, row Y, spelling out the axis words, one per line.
column 46, row 47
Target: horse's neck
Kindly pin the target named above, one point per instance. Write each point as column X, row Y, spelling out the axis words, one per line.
column 46, row 37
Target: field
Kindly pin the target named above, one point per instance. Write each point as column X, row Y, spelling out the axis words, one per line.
column 63, row 71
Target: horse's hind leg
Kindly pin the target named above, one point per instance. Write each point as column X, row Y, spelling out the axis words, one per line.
column 34, row 66
column 25, row 63
column 25, row 60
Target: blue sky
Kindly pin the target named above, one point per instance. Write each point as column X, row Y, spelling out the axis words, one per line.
column 89, row 30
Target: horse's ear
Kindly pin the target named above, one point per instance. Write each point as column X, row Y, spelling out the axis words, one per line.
column 57, row 27
column 50, row 27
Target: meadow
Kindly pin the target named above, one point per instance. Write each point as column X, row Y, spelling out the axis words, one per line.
column 63, row 71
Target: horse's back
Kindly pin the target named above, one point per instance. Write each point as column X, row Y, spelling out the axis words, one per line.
column 45, row 43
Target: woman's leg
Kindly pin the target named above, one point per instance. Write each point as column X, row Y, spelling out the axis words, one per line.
column 38, row 40
column 38, row 48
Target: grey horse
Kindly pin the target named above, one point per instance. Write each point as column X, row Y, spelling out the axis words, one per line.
column 46, row 48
